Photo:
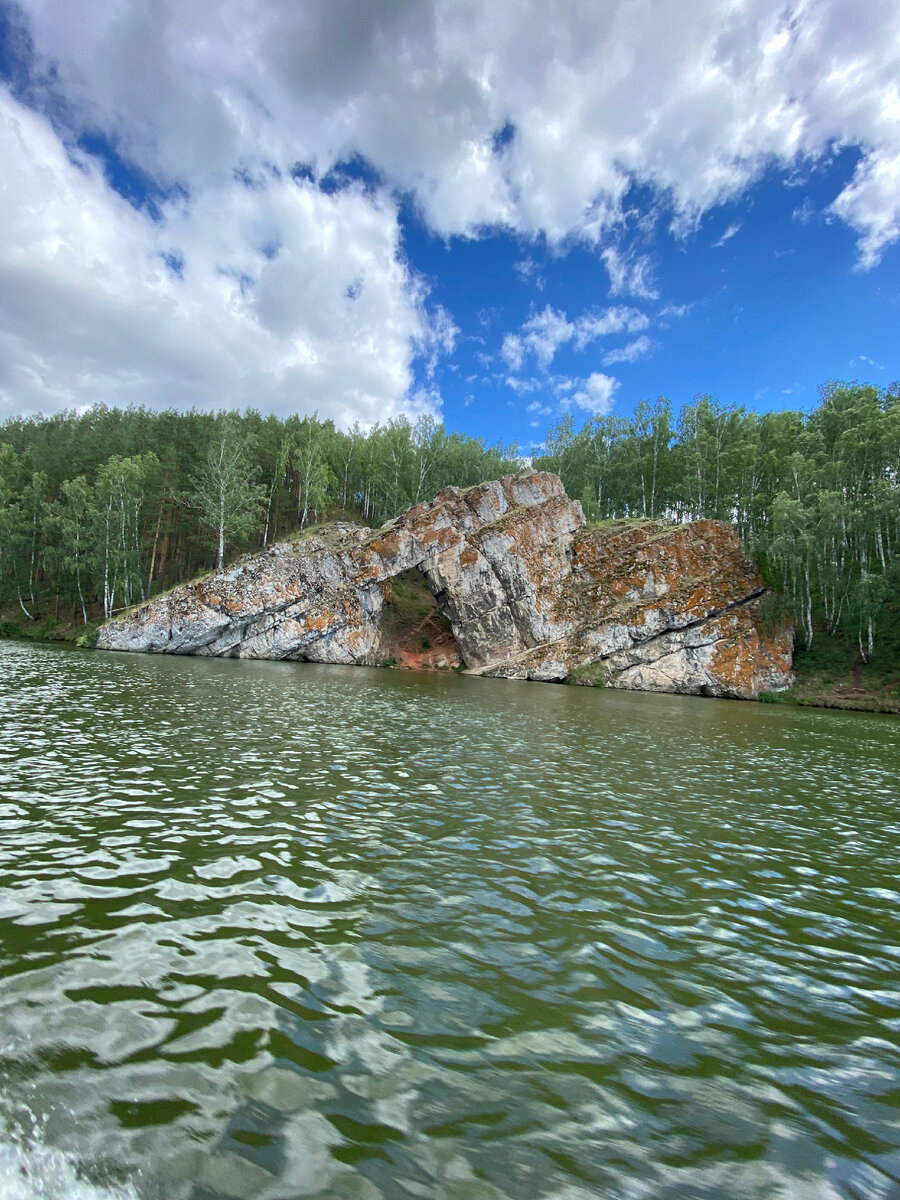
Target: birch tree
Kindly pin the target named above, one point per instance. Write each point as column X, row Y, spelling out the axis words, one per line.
column 73, row 525
column 121, row 489
column 223, row 492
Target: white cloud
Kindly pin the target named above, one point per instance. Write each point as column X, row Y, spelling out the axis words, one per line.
column 629, row 275
column 513, row 352
column 529, row 272
column 596, row 395
column 289, row 298
column 871, row 203
column 522, row 386
column 618, row 319
column 727, row 235
column 631, row 352
column 543, row 410
column 696, row 102
column 543, row 334
column 438, row 338
column 673, row 312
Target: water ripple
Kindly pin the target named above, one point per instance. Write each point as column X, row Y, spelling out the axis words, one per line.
column 271, row 931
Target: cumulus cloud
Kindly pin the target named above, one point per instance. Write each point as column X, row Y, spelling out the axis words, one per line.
column 276, row 295
column 618, row 319
column 248, row 284
column 437, row 339
column 495, row 114
column 545, row 332
column 871, row 202
column 596, row 394
column 517, row 384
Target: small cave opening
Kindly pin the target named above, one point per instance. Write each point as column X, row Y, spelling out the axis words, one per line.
column 415, row 633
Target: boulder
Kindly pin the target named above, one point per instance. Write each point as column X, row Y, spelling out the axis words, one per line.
column 528, row 590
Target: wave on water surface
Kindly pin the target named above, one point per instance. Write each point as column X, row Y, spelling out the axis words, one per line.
column 32, row 1170
column 271, row 931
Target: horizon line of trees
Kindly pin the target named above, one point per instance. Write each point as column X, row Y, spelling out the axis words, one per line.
column 815, row 496
column 101, row 509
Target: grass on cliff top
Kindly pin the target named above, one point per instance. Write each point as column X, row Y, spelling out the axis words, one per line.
column 613, row 526
column 617, row 524
column 324, row 531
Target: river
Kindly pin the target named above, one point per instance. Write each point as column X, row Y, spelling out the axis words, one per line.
column 274, row 930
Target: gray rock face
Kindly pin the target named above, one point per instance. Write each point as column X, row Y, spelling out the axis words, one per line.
column 529, row 593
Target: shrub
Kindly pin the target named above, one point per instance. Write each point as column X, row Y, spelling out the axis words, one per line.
column 88, row 639
column 774, row 614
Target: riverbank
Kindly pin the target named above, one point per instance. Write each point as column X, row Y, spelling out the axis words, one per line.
column 831, row 674
column 47, row 628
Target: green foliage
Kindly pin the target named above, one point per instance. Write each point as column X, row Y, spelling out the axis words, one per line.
column 775, row 614
column 9, row 629
column 816, row 497
column 223, row 492
column 88, row 639
column 122, row 485
column 103, row 508
column 410, row 601
column 834, row 673
column 590, row 675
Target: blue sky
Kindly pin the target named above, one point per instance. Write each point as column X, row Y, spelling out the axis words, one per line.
column 377, row 208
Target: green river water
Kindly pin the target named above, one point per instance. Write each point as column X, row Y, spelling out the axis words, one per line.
column 274, row 930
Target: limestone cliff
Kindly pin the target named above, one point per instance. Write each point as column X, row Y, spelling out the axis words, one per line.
column 518, row 587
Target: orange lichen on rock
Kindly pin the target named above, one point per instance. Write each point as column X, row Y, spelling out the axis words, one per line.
column 516, row 586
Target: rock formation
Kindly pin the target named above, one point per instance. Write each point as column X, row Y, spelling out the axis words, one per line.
column 521, row 587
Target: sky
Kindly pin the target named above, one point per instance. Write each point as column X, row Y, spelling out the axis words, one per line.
column 493, row 213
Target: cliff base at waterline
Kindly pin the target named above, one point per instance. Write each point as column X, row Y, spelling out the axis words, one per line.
column 505, row 579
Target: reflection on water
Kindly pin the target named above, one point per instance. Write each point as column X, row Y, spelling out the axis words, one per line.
column 275, row 931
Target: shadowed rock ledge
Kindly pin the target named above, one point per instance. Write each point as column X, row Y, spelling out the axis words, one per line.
column 528, row 590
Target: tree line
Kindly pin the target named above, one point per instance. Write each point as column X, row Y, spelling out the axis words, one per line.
column 816, row 496
column 103, row 508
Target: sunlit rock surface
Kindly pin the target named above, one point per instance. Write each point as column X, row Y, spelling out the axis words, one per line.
column 529, row 593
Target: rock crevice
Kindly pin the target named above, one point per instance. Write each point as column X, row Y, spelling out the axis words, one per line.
column 529, row 591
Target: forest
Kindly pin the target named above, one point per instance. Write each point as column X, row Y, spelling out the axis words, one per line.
column 102, row 509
